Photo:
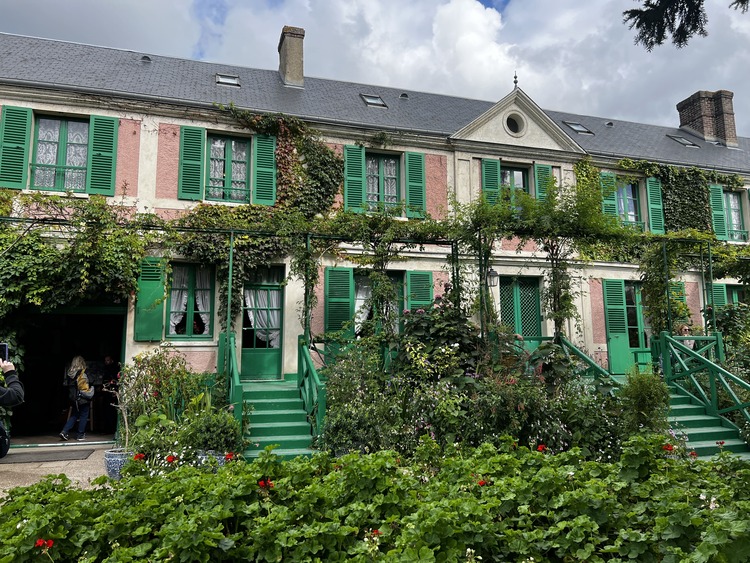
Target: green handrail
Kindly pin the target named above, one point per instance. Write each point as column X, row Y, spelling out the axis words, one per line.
column 236, row 398
column 311, row 386
column 594, row 370
column 681, row 364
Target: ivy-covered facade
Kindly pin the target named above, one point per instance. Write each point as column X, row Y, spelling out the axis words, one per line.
column 228, row 184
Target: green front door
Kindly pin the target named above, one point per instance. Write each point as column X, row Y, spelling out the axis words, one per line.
column 262, row 325
column 520, row 308
column 627, row 333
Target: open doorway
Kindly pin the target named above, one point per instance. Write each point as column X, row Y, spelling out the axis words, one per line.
column 51, row 341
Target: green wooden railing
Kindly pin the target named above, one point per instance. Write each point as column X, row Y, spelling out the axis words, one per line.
column 592, row 369
column 228, row 356
column 694, row 372
column 312, row 387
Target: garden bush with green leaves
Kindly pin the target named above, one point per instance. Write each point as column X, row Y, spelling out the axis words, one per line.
column 497, row 503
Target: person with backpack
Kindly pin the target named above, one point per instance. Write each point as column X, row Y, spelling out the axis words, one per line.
column 80, row 393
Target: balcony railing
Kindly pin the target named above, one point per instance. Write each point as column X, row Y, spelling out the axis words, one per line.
column 58, row 178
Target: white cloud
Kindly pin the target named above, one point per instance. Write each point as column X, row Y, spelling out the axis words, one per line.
column 570, row 55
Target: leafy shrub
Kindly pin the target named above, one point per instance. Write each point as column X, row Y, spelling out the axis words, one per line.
column 645, row 403
column 505, row 503
column 211, row 430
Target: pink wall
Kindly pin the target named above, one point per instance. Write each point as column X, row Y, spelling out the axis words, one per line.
column 596, row 295
column 128, row 157
column 436, row 184
column 167, row 161
column 439, row 279
column 200, row 360
column 693, row 294
column 512, row 244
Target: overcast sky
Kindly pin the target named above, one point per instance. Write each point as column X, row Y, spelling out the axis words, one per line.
column 570, row 55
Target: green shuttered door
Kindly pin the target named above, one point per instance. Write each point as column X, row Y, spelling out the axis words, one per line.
column 149, row 304
column 615, row 315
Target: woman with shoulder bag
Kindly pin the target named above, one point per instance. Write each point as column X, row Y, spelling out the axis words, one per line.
column 80, row 393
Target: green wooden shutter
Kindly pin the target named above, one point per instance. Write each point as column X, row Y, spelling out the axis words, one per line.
column 354, row 178
column 719, row 295
column 718, row 217
column 677, row 292
column 542, row 178
column 339, row 299
column 264, row 170
column 615, row 319
column 149, row 302
column 416, row 198
column 655, row 206
column 418, row 290
column 491, row 179
column 608, row 182
column 102, row 155
column 192, row 150
column 15, row 131
column 507, row 303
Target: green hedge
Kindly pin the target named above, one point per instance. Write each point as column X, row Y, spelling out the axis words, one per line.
column 500, row 504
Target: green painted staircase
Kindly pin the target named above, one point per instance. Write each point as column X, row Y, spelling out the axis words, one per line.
column 278, row 417
column 703, row 430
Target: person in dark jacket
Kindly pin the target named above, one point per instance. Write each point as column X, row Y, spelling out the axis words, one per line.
column 80, row 393
column 12, row 394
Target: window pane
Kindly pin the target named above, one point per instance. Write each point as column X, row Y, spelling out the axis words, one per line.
column 373, row 179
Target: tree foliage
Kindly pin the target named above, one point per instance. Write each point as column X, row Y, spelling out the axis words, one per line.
column 658, row 20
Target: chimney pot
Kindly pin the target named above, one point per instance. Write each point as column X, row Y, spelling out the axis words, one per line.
column 291, row 60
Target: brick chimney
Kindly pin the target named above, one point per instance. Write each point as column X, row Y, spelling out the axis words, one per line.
column 710, row 115
column 291, row 63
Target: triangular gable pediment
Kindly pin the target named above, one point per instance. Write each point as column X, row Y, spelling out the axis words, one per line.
column 517, row 120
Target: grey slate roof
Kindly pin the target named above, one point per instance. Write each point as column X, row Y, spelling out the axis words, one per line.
column 75, row 67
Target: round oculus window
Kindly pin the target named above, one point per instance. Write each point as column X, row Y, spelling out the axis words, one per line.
column 515, row 124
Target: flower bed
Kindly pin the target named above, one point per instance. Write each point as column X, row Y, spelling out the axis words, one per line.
column 506, row 503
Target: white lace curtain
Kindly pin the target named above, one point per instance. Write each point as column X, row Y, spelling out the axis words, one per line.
column 264, row 306
column 203, row 295
column 178, row 303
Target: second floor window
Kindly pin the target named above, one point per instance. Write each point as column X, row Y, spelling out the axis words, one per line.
column 229, row 163
column 382, row 180
column 726, row 214
column 60, row 155
column 628, row 206
column 733, row 210
column 515, row 179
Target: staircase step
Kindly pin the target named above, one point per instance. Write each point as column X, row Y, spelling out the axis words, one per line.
column 678, row 399
column 267, row 416
column 709, row 448
column 286, row 453
column 284, row 441
column 276, row 404
column 279, row 428
column 686, row 410
column 693, row 421
column 710, row 433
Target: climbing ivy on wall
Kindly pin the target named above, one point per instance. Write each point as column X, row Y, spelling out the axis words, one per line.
column 685, row 192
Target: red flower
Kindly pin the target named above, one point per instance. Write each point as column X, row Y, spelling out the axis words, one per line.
column 720, row 443
column 49, row 544
column 171, row 458
column 693, row 454
column 40, row 543
column 265, row 484
column 229, row 456
column 541, row 448
column 376, row 532
column 481, row 482
column 44, row 544
column 667, row 447
column 139, row 457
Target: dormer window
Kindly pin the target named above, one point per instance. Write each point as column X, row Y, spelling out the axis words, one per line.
column 373, row 100
column 578, row 127
column 227, row 79
column 683, row 141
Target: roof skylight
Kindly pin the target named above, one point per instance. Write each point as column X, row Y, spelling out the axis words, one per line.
column 578, row 127
column 227, row 79
column 373, row 100
column 684, row 141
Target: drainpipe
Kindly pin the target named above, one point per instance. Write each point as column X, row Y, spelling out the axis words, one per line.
column 308, row 275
